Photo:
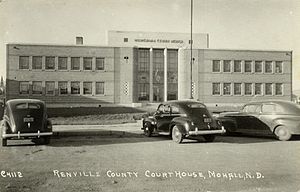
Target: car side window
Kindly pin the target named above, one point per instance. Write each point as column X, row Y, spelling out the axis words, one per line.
column 160, row 108
column 167, row 109
column 175, row 110
column 268, row 108
column 251, row 108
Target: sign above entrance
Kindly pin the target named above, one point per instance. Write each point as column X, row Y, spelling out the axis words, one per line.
column 159, row 40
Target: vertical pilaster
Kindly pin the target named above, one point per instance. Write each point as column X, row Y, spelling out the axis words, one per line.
column 165, row 74
column 151, row 76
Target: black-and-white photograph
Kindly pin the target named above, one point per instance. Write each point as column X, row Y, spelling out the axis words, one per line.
column 150, row 95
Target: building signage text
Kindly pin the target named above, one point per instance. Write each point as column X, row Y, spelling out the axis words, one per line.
column 158, row 40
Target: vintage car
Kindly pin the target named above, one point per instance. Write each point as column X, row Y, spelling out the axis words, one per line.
column 26, row 119
column 277, row 117
column 182, row 119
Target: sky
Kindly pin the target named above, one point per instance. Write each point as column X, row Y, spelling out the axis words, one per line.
column 231, row 24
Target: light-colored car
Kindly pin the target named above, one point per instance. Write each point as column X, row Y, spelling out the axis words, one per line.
column 275, row 117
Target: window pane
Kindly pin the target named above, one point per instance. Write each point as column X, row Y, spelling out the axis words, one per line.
column 226, row 66
column 37, row 87
column 24, row 62
column 278, row 66
column 216, row 89
column 100, row 88
column 50, row 87
column 216, row 66
column 50, row 63
column 226, row 88
column 258, row 87
column 278, row 89
column 99, row 63
column 258, row 66
column 24, row 87
column 87, row 88
column 248, row 66
column 143, row 91
column 268, row 108
column 237, row 66
column 62, row 63
column 237, row 88
column 75, row 87
column 37, row 62
column 268, row 89
column 75, row 63
column 87, row 63
column 248, row 88
column 63, row 88
column 268, row 67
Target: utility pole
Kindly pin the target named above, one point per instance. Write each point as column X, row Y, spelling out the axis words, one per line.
column 191, row 62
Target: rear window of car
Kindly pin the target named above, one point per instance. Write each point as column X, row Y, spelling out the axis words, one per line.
column 28, row 106
column 196, row 106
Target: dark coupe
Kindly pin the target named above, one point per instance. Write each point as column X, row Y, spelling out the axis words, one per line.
column 279, row 118
column 26, row 119
column 182, row 119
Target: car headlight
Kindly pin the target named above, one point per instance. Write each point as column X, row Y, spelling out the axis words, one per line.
column 192, row 123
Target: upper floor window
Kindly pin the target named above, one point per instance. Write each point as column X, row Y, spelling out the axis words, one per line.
column 37, row 62
column 75, row 63
column 62, row 63
column 278, row 67
column 24, row 62
column 268, row 67
column 216, row 66
column 237, row 67
column 100, row 63
column 226, row 66
column 258, row 67
column 50, row 63
column 248, row 66
column 87, row 63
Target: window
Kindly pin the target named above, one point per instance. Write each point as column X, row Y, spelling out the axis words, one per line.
column 278, row 67
column 125, row 40
column 87, row 63
column 37, row 87
column 75, row 87
column 251, row 108
column 24, row 87
column 100, row 63
column 87, row 88
column 237, row 66
column 50, row 87
column 226, row 66
column 100, row 88
column 79, row 40
column 63, row 87
column 75, row 63
column 143, row 91
column 268, row 108
column 268, row 67
column 237, row 88
column 258, row 89
column 216, row 66
column 24, row 62
column 62, row 63
column 175, row 110
column 268, row 89
column 37, row 62
column 248, row 66
column 278, row 89
column 216, row 89
column 50, row 63
column 258, row 67
column 226, row 88
column 248, row 88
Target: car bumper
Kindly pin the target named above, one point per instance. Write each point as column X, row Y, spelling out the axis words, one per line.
column 20, row 135
column 207, row 132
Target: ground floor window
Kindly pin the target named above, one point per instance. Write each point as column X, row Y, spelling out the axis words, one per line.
column 216, row 87
column 63, row 87
column 50, row 87
column 24, row 87
column 75, row 88
column 278, row 89
column 237, row 88
column 258, row 89
column 268, row 89
column 99, row 88
column 87, row 88
column 143, row 92
column 37, row 87
column 226, row 88
column 248, row 88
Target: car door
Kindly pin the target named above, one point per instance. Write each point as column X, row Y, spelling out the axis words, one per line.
column 247, row 119
column 268, row 114
column 163, row 117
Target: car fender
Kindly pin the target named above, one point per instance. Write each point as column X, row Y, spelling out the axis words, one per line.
column 149, row 119
column 229, row 123
column 182, row 123
column 291, row 124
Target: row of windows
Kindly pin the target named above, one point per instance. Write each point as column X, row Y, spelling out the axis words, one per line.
column 62, row 62
column 249, row 66
column 248, row 89
column 63, row 87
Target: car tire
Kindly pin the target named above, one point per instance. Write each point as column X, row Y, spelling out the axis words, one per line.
column 283, row 133
column 148, row 129
column 177, row 136
column 4, row 142
column 209, row 138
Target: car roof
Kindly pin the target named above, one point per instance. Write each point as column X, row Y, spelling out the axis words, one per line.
column 182, row 102
column 280, row 102
column 17, row 101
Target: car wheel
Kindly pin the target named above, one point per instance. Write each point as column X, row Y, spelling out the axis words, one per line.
column 283, row 133
column 176, row 135
column 148, row 130
column 209, row 138
column 4, row 142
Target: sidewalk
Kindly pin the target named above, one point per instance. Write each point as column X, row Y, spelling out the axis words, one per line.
column 128, row 129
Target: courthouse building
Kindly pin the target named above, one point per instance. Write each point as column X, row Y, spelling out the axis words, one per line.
column 136, row 68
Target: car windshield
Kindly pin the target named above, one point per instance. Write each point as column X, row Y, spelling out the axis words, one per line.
column 198, row 108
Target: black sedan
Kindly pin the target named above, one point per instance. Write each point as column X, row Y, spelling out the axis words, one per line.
column 182, row 119
column 278, row 117
column 26, row 119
